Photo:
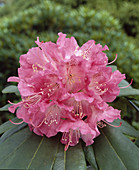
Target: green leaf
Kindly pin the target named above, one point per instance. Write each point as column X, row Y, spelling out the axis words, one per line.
column 75, row 158
column 90, row 168
column 25, row 150
column 135, row 124
column 114, row 68
column 60, row 158
column 126, row 128
column 134, row 105
column 8, row 125
column 12, row 131
column 137, row 142
column 5, row 108
column 124, row 83
column 11, row 89
column 90, row 156
column 129, row 91
column 136, row 102
column 114, row 150
column 121, row 104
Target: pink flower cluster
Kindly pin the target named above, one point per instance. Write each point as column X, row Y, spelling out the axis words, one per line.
column 65, row 88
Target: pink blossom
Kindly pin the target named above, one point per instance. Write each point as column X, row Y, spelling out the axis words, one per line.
column 64, row 88
column 83, row 119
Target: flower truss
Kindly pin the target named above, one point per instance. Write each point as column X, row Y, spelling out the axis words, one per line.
column 65, row 88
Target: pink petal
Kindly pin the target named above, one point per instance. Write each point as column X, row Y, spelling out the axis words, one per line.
column 14, row 79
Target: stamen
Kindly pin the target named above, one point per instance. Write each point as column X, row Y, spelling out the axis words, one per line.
column 15, row 123
column 70, row 137
column 39, row 124
column 35, row 69
column 127, row 85
column 113, row 60
column 111, row 124
column 64, row 136
column 51, row 89
column 101, row 124
column 77, row 135
column 86, row 52
column 10, row 102
column 66, row 147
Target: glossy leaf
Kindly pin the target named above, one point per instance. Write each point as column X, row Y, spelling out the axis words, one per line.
column 134, row 105
column 137, row 142
column 60, row 158
column 11, row 89
column 114, row 68
column 8, row 125
column 120, row 104
column 75, row 158
column 25, row 150
column 129, row 91
column 11, row 131
column 90, row 156
column 125, row 128
column 114, row 150
column 124, row 83
column 5, row 108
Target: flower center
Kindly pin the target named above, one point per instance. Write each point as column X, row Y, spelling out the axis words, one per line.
column 31, row 100
column 78, row 110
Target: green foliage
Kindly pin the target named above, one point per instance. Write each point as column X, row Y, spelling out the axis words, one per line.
column 127, row 11
column 129, row 17
column 10, row 10
column 111, row 149
column 39, row 152
column 113, row 145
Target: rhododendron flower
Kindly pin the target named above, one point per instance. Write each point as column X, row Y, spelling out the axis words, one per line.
column 64, row 88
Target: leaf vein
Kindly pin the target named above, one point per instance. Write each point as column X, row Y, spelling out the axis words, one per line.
column 35, row 153
column 15, row 149
column 114, row 149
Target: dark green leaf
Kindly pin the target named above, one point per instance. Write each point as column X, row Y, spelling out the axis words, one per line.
column 60, row 158
column 12, row 131
column 137, row 142
column 89, row 154
column 113, row 150
column 90, row 168
column 121, row 104
column 5, row 108
column 75, row 158
column 11, row 89
column 135, row 124
column 126, row 128
column 25, row 150
column 136, row 102
column 8, row 125
column 134, row 105
column 45, row 152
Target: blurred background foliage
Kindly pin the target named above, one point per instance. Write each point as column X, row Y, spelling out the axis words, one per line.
column 111, row 22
